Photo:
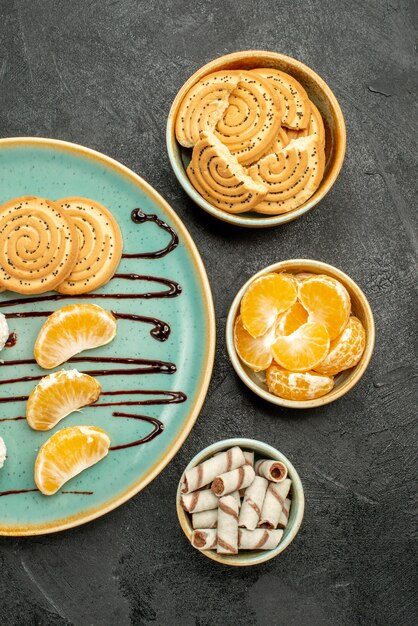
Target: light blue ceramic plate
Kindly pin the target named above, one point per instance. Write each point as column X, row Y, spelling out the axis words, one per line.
column 54, row 169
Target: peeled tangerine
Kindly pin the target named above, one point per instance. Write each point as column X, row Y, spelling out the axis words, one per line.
column 253, row 351
column 265, row 299
column 303, row 349
column 346, row 350
column 59, row 394
column 291, row 320
column 67, row 453
column 327, row 302
column 297, row 385
column 71, row 330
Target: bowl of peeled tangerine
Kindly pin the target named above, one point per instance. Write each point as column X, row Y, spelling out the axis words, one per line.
column 300, row 333
column 256, row 138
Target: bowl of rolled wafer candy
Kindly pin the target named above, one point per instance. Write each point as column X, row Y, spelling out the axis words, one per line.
column 256, row 138
column 300, row 333
column 240, row 502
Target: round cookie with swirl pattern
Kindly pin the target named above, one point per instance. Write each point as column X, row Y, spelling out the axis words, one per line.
column 99, row 245
column 38, row 245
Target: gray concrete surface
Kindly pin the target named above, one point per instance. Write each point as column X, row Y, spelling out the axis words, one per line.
column 104, row 74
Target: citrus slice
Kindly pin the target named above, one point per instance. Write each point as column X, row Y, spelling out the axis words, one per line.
column 345, row 351
column 253, row 351
column 327, row 302
column 59, row 394
column 303, row 349
column 291, row 320
column 71, row 330
column 264, row 299
column 67, row 453
column 297, row 385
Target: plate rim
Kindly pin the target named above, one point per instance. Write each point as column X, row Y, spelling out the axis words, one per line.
column 203, row 383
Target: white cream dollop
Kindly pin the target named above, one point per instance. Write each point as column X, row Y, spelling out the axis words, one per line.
column 4, row 331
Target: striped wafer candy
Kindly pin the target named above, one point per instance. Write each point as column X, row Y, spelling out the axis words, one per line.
column 203, row 474
column 203, row 106
column 204, row 539
column 205, row 519
column 203, row 500
column 253, row 501
column 259, row 539
column 273, row 503
column 284, row 515
column 275, row 471
column 228, row 525
column 233, row 481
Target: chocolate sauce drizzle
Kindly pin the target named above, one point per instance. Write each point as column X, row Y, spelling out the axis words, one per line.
column 139, row 217
column 160, row 331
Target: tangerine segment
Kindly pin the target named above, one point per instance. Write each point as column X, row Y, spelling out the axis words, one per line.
column 346, row 350
column 264, row 299
column 71, row 330
column 327, row 302
column 297, row 385
column 292, row 319
column 253, row 351
column 301, row 276
column 303, row 349
column 59, row 394
column 67, row 453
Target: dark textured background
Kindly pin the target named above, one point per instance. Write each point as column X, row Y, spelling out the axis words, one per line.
column 103, row 74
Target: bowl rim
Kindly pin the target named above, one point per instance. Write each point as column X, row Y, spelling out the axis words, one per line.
column 245, row 558
column 240, row 219
column 358, row 370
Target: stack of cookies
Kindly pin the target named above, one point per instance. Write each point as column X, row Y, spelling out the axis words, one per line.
column 258, row 141
column 73, row 245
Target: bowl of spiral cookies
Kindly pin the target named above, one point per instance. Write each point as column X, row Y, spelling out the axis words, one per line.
column 240, row 502
column 256, row 138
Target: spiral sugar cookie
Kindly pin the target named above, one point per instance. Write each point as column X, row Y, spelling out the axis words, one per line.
column 99, row 245
column 292, row 175
column 252, row 120
column 203, row 106
column 280, row 142
column 38, row 245
column 219, row 178
column 294, row 100
column 315, row 127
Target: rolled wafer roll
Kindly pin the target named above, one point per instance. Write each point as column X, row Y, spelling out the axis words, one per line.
column 249, row 458
column 203, row 106
column 215, row 173
column 274, row 471
column 233, row 481
column 252, row 119
column 99, row 245
column 203, row 474
column 236, row 495
column 250, row 512
column 273, row 503
column 284, row 515
column 259, row 539
column 292, row 175
column 294, row 101
column 202, row 500
column 204, row 539
column 227, row 525
column 38, row 245
column 205, row 519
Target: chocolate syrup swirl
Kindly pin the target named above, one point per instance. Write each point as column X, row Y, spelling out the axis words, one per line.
column 160, row 332
column 158, row 429
column 139, row 217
